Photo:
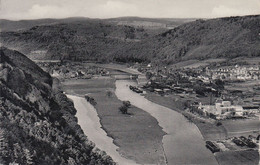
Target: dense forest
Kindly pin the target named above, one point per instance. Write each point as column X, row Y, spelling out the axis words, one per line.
column 229, row 37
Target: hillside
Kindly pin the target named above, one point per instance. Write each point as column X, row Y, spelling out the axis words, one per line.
column 148, row 23
column 98, row 40
column 38, row 123
column 92, row 40
column 223, row 37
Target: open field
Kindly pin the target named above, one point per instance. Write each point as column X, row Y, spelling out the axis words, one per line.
column 115, row 67
column 243, row 86
column 84, row 86
column 249, row 157
column 251, row 60
column 204, row 63
column 196, row 63
column 241, row 127
column 137, row 134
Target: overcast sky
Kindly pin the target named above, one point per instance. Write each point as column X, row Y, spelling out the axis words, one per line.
column 32, row 9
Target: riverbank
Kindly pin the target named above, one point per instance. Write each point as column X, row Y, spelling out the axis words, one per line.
column 210, row 131
column 89, row 121
column 137, row 134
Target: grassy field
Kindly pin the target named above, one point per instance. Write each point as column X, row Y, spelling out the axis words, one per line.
column 85, row 86
column 115, row 67
column 249, row 60
column 249, row 157
column 137, row 134
column 241, row 127
column 196, row 63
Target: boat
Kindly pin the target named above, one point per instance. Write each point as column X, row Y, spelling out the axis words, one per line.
column 212, row 147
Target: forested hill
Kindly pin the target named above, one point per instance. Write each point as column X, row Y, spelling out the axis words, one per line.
column 203, row 39
column 91, row 40
column 98, row 40
column 37, row 122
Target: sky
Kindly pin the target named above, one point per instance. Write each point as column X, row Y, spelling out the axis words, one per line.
column 35, row 9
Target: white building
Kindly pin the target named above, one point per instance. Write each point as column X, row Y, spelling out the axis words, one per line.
column 222, row 109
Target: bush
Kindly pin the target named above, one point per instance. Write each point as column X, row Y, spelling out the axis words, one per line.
column 127, row 103
column 91, row 100
column 218, row 123
column 109, row 93
column 123, row 109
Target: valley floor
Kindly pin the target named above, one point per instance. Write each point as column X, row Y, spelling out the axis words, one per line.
column 127, row 130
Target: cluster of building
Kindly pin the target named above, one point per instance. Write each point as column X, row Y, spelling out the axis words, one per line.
column 68, row 70
column 235, row 72
column 224, row 109
column 162, row 88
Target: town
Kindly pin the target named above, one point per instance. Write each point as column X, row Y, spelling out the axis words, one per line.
column 230, row 91
column 218, row 92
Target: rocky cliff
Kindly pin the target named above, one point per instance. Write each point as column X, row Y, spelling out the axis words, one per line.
column 37, row 121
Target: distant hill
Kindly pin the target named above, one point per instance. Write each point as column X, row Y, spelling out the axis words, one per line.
column 37, row 122
column 229, row 37
column 100, row 40
column 9, row 25
column 89, row 40
column 150, row 22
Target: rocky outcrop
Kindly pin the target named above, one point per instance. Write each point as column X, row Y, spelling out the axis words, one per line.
column 37, row 121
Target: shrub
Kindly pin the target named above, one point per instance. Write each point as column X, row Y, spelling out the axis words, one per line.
column 218, row 123
column 127, row 103
column 109, row 93
column 123, row 109
column 91, row 100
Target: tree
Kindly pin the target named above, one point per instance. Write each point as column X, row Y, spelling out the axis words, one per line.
column 218, row 123
column 109, row 93
column 28, row 157
column 3, row 146
column 148, row 75
column 220, row 84
column 123, row 109
column 91, row 100
column 127, row 103
column 199, row 89
column 187, row 104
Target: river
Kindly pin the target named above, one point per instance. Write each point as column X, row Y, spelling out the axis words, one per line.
column 183, row 143
column 89, row 121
